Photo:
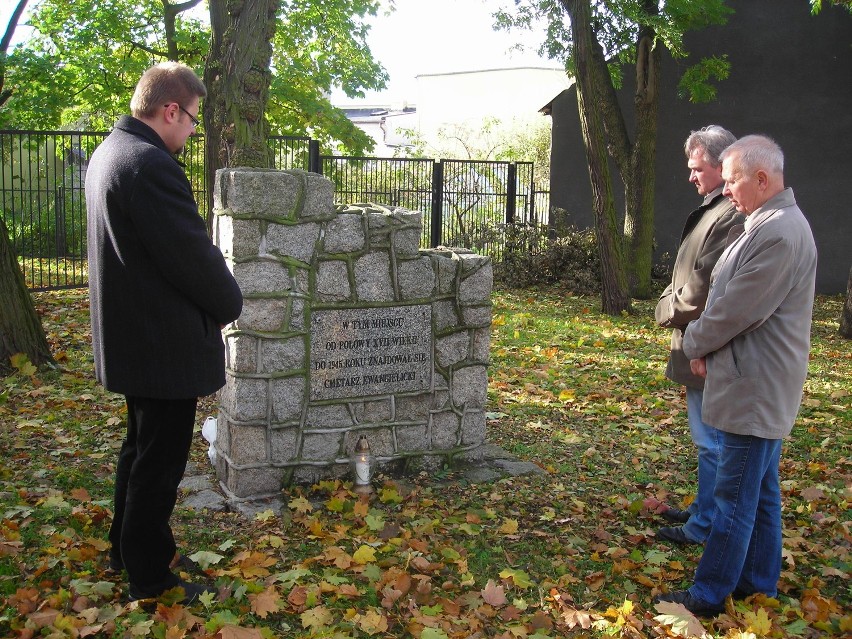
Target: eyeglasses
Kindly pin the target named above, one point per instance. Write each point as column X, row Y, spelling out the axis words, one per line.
column 195, row 121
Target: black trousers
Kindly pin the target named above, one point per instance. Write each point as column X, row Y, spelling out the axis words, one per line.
column 150, row 466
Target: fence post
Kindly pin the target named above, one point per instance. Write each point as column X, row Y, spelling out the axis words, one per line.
column 533, row 194
column 59, row 229
column 314, row 163
column 437, row 201
column 511, row 192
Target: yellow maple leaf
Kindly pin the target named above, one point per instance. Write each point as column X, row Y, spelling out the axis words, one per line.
column 266, row 515
column 364, row 555
column 316, row 618
column 518, row 577
column 237, row 632
column 300, row 505
column 275, row 541
column 361, row 508
column 372, row 622
column 338, row 556
column 681, row 622
column 509, row 527
column 265, row 602
column 758, row 622
column 567, row 395
column 252, row 564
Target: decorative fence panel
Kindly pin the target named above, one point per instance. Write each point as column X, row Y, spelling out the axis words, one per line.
column 43, row 204
column 465, row 203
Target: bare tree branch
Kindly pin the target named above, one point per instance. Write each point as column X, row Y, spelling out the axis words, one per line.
column 5, row 94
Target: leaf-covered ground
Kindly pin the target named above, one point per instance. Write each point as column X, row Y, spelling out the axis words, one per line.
column 570, row 552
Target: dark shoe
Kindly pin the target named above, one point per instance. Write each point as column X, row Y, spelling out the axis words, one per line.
column 115, row 565
column 675, row 535
column 675, row 515
column 179, row 562
column 182, row 562
column 191, row 592
column 696, row 606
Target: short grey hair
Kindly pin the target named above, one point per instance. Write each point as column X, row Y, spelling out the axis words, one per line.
column 712, row 140
column 756, row 152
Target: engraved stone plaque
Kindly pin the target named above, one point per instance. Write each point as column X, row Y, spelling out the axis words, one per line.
column 360, row 352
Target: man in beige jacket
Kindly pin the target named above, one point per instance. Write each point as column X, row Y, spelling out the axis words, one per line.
column 702, row 242
column 751, row 345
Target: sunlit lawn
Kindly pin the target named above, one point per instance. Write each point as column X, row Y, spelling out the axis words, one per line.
column 566, row 552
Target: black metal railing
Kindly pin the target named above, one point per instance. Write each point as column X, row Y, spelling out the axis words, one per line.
column 464, row 202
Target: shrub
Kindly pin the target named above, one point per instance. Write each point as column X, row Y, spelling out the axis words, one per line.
column 531, row 258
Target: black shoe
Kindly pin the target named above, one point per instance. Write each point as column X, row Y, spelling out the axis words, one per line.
column 676, row 515
column 675, row 535
column 180, row 562
column 696, row 606
column 191, row 592
column 115, row 565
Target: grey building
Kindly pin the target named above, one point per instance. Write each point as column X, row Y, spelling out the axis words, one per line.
column 791, row 79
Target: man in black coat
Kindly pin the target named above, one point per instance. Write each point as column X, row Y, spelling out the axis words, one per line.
column 160, row 293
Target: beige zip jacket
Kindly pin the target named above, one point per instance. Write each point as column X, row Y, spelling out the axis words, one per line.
column 755, row 330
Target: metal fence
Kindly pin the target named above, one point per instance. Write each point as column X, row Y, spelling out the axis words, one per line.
column 464, row 203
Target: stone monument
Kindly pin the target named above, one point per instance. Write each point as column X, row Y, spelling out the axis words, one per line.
column 348, row 328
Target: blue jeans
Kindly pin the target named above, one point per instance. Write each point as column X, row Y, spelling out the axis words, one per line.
column 706, row 439
column 743, row 550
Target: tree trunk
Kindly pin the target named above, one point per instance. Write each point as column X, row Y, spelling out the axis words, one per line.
column 20, row 326
column 846, row 315
column 237, row 77
column 640, row 180
column 5, row 42
column 170, row 14
column 615, row 297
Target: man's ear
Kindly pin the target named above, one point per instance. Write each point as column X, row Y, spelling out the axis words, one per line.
column 171, row 112
column 762, row 179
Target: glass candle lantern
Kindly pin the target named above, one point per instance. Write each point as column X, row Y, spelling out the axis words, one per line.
column 362, row 465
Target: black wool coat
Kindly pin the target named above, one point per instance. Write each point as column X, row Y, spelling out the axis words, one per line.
column 160, row 290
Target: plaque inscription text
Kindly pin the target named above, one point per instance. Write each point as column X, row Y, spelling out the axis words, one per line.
column 361, row 352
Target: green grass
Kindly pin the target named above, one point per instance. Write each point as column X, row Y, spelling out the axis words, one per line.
column 580, row 394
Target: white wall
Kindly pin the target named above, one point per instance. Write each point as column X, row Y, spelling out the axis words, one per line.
column 512, row 95
column 468, row 97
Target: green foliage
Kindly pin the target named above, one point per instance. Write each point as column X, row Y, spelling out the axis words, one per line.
column 490, row 139
column 319, row 46
column 816, row 5
column 79, row 67
column 697, row 82
column 48, row 227
column 616, row 25
column 81, row 63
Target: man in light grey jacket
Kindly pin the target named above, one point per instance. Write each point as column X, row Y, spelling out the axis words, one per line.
column 751, row 344
column 702, row 242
